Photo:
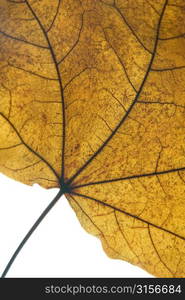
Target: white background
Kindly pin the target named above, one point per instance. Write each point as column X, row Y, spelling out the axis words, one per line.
column 59, row 247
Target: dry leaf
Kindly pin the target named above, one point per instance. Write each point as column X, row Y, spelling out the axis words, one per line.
column 92, row 101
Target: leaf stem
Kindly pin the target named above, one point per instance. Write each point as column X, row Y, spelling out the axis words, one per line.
column 32, row 229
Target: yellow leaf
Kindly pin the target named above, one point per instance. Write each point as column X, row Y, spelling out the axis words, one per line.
column 93, row 102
